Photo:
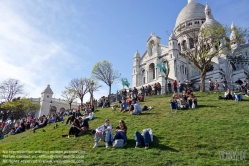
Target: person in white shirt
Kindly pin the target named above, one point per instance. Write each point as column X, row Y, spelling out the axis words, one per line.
column 137, row 108
column 104, row 133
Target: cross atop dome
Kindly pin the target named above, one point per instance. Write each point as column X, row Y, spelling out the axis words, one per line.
column 191, row 1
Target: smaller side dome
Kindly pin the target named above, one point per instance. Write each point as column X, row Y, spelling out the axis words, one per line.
column 137, row 55
column 172, row 36
column 210, row 21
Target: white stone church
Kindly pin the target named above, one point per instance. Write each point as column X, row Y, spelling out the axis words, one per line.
column 232, row 66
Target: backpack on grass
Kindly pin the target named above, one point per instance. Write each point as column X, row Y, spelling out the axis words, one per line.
column 118, row 143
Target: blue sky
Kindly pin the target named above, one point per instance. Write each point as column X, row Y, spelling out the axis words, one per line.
column 53, row 41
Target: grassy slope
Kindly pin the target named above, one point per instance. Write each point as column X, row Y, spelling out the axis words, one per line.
column 192, row 137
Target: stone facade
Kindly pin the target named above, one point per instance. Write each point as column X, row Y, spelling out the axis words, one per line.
column 49, row 104
column 232, row 65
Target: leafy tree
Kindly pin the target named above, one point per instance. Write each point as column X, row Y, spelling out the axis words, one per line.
column 10, row 88
column 69, row 96
column 208, row 42
column 20, row 107
column 104, row 72
column 80, row 86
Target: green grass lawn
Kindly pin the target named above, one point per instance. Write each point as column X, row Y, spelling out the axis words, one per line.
column 193, row 137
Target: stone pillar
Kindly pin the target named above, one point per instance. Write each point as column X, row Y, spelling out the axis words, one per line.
column 161, row 80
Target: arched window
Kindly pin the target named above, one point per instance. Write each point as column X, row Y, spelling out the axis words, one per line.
column 152, row 74
column 143, row 76
column 151, row 47
column 179, row 46
column 191, row 43
column 184, row 45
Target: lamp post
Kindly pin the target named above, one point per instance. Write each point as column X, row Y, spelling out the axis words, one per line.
column 92, row 84
column 50, row 106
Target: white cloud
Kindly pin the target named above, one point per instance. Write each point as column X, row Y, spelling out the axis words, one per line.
column 27, row 54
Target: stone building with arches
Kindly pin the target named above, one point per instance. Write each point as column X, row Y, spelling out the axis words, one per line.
column 233, row 65
column 48, row 104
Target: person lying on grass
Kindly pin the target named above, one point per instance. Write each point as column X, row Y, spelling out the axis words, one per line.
column 121, row 130
column 104, row 133
column 145, row 138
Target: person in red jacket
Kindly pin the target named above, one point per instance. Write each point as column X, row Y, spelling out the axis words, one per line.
column 175, row 85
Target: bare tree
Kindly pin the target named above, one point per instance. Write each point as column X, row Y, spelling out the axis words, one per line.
column 69, row 96
column 94, row 87
column 81, row 87
column 10, row 88
column 103, row 71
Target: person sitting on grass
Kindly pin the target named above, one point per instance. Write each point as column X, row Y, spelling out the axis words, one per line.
column 75, row 128
column 124, row 106
column 228, row 94
column 1, row 134
column 104, row 133
column 237, row 95
column 137, row 108
column 52, row 119
column 192, row 101
column 88, row 109
column 140, row 97
column 174, row 104
column 106, row 104
column 40, row 124
column 175, row 95
column 189, row 92
column 145, row 138
column 84, row 126
column 71, row 118
column 247, row 92
column 20, row 128
column 131, row 106
column 183, row 102
column 121, row 130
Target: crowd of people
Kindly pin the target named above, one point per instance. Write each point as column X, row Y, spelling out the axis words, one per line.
column 182, row 98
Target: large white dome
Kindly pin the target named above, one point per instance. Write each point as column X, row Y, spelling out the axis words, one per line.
column 192, row 11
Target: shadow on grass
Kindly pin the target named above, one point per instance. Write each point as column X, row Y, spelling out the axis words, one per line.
column 131, row 143
column 146, row 113
column 156, row 144
column 201, row 106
